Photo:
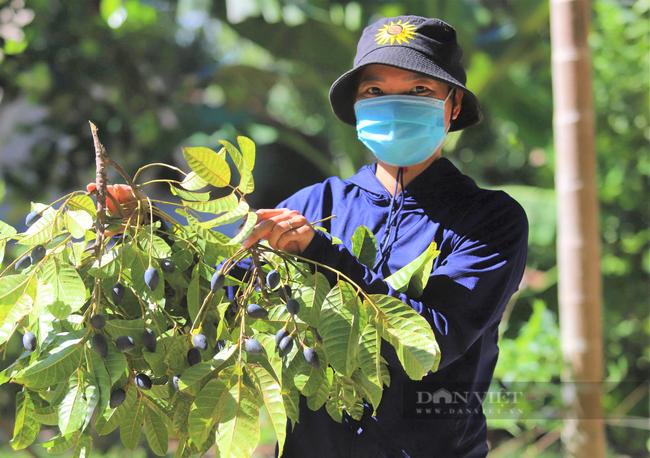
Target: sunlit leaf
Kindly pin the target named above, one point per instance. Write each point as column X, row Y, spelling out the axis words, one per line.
column 53, row 367
column 269, row 387
column 239, row 432
column 247, row 147
column 112, row 418
column 191, row 196
column 69, row 290
column 41, row 231
column 310, row 295
column 193, row 182
column 26, row 425
column 223, row 204
column 16, row 297
column 246, row 184
column 78, row 222
column 131, row 426
column 155, row 430
column 414, row 276
column 364, row 246
column 247, row 228
column 230, row 217
column 208, row 165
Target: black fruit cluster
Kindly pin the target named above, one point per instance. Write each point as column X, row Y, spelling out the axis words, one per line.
column 149, row 340
column 100, row 345
column 217, row 281
column 117, row 398
column 257, row 311
column 143, row 381
column 253, row 347
column 151, row 278
column 125, row 343
column 29, row 341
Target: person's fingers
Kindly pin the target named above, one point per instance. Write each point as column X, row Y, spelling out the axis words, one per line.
column 296, row 240
column 261, row 231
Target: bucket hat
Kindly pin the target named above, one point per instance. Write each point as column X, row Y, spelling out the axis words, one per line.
column 412, row 43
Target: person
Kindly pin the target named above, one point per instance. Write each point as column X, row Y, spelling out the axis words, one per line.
column 406, row 90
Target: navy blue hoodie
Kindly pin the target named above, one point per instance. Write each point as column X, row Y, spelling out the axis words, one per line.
column 482, row 237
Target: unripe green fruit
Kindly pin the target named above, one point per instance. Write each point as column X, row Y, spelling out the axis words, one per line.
column 151, row 278
column 285, row 346
column 143, row 381
column 311, row 357
column 272, row 279
column 200, row 342
column 217, row 282
column 32, row 217
column 23, row 263
column 167, row 266
column 282, row 333
column 37, row 254
column 285, row 292
column 125, row 343
column 98, row 321
column 117, row 398
column 117, row 293
column 100, row 345
column 193, row 356
column 293, row 306
column 149, row 340
column 257, row 311
column 253, row 347
column 29, row 341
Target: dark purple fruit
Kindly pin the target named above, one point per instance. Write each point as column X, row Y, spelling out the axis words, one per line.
column 257, row 311
column 217, row 282
column 125, row 343
column 285, row 346
column 311, row 357
column 149, row 340
column 167, row 266
column 143, row 381
column 151, row 278
column 285, row 292
column 293, row 306
column 253, row 347
column 32, row 217
column 117, row 293
column 117, row 398
column 98, row 321
column 194, row 356
column 200, row 342
column 282, row 333
column 175, row 380
column 29, row 341
column 272, row 280
column 37, row 254
column 100, row 345
column 23, row 263
column 221, row 344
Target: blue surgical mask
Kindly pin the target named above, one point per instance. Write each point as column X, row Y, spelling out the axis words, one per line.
column 401, row 130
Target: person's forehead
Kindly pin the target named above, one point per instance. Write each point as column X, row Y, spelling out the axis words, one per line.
column 386, row 73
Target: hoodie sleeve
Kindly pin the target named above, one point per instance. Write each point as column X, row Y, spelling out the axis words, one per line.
column 467, row 293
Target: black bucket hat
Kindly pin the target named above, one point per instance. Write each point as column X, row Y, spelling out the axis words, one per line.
column 412, row 43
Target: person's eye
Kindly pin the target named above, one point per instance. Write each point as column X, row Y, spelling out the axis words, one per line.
column 419, row 89
column 373, row 90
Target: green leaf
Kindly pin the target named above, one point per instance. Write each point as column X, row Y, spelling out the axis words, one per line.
column 82, row 445
column 115, row 363
column 291, row 399
column 369, row 352
column 191, row 196
column 6, row 232
column 247, row 228
column 208, row 165
column 131, row 426
column 239, row 432
column 311, row 295
column 26, row 425
column 413, row 277
column 233, row 215
column 111, row 262
column 41, row 231
column 60, row 444
column 138, row 267
column 410, row 334
column 98, row 369
column 371, row 391
column 176, row 356
column 317, row 399
column 339, row 328
column 221, row 205
column 194, row 378
column 271, row 392
column 69, row 290
column 16, row 297
column 72, row 409
column 78, row 222
column 246, row 183
column 83, row 203
column 131, row 328
column 112, row 418
column 193, row 182
column 364, row 246
column 159, row 250
column 209, row 406
column 155, row 430
column 308, row 379
column 53, row 367
column 247, row 147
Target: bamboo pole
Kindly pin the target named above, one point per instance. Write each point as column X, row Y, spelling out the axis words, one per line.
column 578, row 246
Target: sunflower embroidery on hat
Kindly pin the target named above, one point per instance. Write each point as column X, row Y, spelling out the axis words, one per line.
column 400, row 33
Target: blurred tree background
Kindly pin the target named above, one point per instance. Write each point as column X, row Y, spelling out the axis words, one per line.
column 157, row 75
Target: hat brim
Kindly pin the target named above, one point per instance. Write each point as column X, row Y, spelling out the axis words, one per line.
column 343, row 91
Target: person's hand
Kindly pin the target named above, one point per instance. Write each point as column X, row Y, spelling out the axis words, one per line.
column 127, row 201
column 284, row 229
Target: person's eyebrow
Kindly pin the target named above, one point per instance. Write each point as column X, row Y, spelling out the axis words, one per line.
column 379, row 79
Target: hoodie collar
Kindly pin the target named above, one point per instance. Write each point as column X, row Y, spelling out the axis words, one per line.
column 438, row 178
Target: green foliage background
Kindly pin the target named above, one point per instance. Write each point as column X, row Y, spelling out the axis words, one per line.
column 157, row 75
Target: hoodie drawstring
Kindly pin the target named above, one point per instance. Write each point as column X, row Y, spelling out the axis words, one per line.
column 392, row 215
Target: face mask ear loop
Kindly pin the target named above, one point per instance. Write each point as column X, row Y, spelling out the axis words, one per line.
column 392, row 215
